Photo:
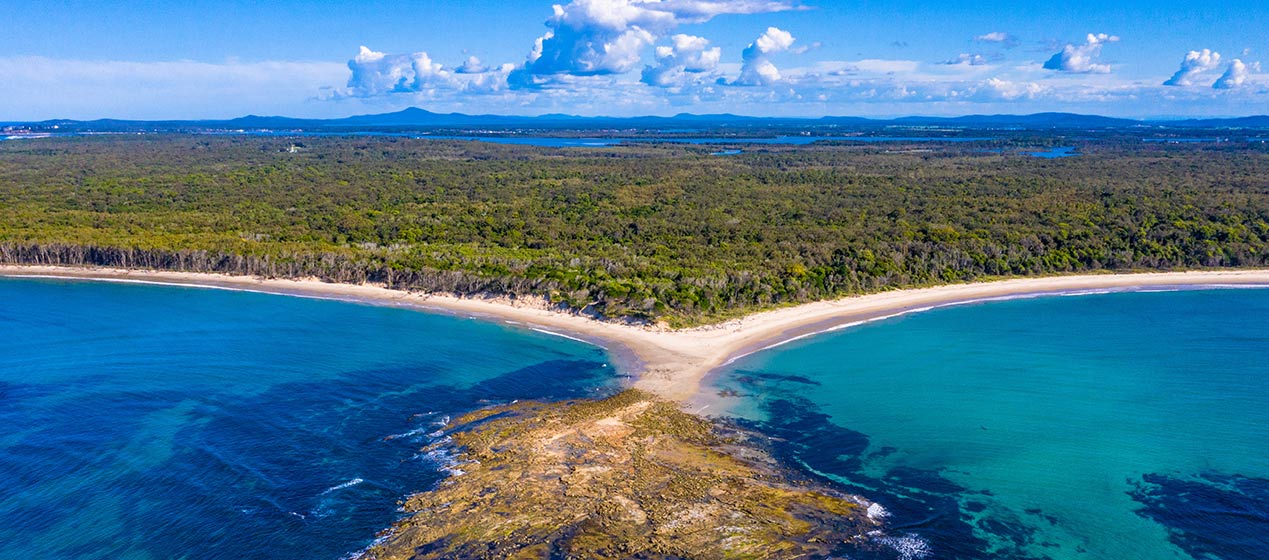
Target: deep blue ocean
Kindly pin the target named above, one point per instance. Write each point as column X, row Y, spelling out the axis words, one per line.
column 144, row 421
column 1114, row 426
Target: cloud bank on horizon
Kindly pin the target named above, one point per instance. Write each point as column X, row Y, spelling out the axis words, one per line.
column 626, row 57
column 592, row 48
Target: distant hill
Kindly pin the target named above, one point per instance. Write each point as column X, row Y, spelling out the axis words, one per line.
column 1258, row 121
column 416, row 118
column 1038, row 120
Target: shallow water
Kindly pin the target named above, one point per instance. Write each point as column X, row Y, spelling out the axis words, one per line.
column 1126, row 425
column 165, row 422
column 1055, row 153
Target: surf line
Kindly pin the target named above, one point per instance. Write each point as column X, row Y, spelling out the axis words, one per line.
column 348, row 484
column 992, row 299
column 353, row 299
column 562, row 335
column 179, row 284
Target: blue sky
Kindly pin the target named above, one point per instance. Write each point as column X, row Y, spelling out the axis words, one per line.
column 203, row 59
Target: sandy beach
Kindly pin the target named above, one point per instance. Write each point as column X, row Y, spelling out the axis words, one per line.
column 672, row 363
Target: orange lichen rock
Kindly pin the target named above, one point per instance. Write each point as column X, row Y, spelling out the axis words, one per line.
column 627, row 476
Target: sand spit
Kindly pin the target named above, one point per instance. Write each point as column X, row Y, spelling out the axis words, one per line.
column 672, row 363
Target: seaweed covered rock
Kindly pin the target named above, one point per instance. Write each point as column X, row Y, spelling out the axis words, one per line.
column 628, row 476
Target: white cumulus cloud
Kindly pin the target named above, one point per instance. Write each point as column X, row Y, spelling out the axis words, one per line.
column 1235, row 76
column 1194, row 63
column 603, row 37
column 999, row 37
column 970, row 59
column 677, row 62
column 376, row 73
column 1082, row 59
column 1010, row 91
column 757, row 69
column 472, row 65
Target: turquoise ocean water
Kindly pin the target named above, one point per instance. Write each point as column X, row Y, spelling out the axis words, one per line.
column 145, row 421
column 1113, row 426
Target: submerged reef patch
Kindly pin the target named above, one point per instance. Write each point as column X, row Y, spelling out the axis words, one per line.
column 1209, row 515
column 927, row 514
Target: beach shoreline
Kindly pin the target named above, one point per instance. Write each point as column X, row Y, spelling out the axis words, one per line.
column 673, row 363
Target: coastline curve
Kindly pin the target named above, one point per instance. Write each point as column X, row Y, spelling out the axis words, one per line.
column 673, row 363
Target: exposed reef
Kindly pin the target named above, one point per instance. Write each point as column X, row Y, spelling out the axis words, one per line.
column 627, row 476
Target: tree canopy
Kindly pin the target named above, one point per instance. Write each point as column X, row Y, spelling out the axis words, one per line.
column 649, row 231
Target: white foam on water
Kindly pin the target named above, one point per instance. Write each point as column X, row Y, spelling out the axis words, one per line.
column 342, row 486
column 834, row 328
column 909, row 547
column 425, row 307
column 992, row 299
column 364, row 553
column 1088, row 293
column 1235, row 286
column 562, row 335
column 877, row 512
column 193, row 285
column 412, row 433
column 440, row 456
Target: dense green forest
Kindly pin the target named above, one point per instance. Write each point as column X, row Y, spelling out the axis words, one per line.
column 645, row 231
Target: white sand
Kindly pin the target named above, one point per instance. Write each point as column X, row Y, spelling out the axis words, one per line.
column 672, row 363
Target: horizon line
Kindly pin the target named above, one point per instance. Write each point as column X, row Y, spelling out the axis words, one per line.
column 1142, row 119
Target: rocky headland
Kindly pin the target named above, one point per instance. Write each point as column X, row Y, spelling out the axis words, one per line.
column 630, row 476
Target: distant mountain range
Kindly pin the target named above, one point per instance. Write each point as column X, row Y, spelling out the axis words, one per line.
column 415, row 118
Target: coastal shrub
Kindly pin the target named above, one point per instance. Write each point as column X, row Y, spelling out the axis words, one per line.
column 649, row 232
